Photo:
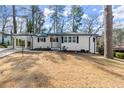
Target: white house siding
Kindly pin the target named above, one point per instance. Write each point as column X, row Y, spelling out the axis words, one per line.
column 46, row 44
column 92, row 45
column 82, row 44
column 0, row 38
column 72, row 46
column 37, row 44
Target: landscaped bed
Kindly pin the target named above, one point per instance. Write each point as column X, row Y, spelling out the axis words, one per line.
column 59, row 69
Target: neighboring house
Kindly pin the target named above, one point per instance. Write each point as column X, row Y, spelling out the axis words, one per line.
column 119, row 48
column 7, row 38
column 69, row 41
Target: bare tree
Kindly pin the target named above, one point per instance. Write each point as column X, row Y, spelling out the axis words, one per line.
column 92, row 25
column 4, row 19
column 108, row 52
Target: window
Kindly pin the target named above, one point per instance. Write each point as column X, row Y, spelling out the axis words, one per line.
column 54, row 39
column 42, row 39
column 65, row 39
column 74, row 39
column 69, row 39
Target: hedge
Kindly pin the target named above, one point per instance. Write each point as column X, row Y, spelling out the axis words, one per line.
column 3, row 46
column 119, row 55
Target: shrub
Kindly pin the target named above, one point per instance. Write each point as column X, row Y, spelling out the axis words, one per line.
column 87, row 51
column 3, row 46
column 119, row 55
column 83, row 51
column 101, row 50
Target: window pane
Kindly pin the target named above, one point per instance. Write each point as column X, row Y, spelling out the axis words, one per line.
column 74, row 39
column 65, row 39
column 69, row 39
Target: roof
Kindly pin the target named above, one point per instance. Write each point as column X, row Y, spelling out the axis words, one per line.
column 55, row 34
column 1, row 32
column 119, row 47
column 68, row 34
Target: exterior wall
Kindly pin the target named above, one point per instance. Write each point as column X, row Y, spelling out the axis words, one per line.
column 73, row 46
column 46, row 44
column 92, row 47
column 82, row 44
column 37, row 44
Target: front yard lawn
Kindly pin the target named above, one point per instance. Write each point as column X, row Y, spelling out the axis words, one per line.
column 59, row 69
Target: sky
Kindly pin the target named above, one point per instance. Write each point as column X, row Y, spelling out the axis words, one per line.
column 118, row 13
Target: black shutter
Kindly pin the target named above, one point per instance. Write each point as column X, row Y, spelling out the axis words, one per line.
column 62, row 39
column 38, row 39
column 93, row 39
column 44, row 39
column 77, row 39
column 50, row 39
column 56, row 39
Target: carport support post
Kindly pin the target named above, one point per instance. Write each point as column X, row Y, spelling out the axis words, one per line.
column 26, row 43
column 108, row 52
column 14, row 42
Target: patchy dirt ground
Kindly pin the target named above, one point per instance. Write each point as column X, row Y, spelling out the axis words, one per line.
column 58, row 69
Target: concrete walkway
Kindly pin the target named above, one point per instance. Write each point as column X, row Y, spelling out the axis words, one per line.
column 5, row 52
column 1, row 49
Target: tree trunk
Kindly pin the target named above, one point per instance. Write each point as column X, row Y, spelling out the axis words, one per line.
column 14, row 19
column 73, row 30
column 108, row 52
column 3, row 34
column 33, row 13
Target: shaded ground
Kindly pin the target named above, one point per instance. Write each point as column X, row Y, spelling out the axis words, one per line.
column 57, row 69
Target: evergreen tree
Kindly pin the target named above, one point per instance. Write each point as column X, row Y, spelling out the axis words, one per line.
column 76, row 17
column 57, row 17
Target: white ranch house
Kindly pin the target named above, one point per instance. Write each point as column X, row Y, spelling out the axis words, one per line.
column 59, row 41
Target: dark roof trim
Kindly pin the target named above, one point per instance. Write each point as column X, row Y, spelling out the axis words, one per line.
column 51, row 34
column 23, row 35
column 67, row 34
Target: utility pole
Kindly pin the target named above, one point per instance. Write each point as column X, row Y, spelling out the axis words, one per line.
column 108, row 52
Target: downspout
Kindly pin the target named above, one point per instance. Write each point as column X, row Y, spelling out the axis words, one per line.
column 94, row 40
column 89, row 43
column 94, row 46
column 60, row 43
column 32, row 42
column 51, row 42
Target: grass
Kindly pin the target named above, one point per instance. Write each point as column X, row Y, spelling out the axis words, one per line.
column 58, row 69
